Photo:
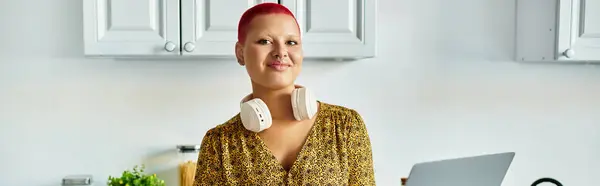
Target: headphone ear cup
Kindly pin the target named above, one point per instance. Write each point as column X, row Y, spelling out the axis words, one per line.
column 295, row 105
column 304, row 104
column 311, row 104
column 255, row 115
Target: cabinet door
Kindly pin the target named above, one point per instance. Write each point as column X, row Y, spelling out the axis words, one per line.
column 209, row 27
column 336, row 28
column 131, row 27
column 579, row 30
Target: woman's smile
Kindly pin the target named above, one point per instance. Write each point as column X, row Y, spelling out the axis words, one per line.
column 278, row 65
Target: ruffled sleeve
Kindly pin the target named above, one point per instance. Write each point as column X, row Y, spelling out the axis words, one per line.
column 209, row 170
column 360, row 156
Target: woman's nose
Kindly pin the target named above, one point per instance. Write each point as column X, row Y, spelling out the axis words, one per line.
column 280, row 51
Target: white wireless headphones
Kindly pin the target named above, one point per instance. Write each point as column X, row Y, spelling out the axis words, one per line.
column 256, row 116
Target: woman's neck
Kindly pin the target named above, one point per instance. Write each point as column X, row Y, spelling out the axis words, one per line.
column 278, row 101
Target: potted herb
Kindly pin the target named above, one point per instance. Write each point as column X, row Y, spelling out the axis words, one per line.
column 137, row 177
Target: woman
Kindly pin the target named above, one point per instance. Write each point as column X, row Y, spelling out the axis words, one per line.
column 282, row 136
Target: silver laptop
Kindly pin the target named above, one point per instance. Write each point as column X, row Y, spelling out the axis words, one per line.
column 483, row 170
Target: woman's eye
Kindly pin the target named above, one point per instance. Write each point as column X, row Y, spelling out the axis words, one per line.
column 264, row 42
column 292, row 43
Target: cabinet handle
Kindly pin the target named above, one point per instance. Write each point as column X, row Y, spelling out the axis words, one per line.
column 189, row 47
column 569, row 53
column 170, row 46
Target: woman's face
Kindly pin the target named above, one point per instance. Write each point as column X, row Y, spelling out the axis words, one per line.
column 272, row 51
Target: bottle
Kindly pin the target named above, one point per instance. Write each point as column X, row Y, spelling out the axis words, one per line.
column 188, row 156
column 77, row 180
column 403, row 180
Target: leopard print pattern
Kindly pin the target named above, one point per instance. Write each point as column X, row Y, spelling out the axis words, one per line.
column 336, row 152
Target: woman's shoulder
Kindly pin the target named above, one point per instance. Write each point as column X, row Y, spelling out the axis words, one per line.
column 342, row 117
column 338, row 111
column 230, row 126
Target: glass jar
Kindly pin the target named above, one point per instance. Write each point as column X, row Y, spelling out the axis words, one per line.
column 188, row 157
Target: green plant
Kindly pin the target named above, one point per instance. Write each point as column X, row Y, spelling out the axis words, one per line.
column 136, row 177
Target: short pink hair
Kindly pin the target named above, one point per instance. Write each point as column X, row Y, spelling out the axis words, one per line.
column 260, row 9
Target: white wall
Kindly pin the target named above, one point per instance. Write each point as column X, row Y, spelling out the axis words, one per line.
column 444, row 85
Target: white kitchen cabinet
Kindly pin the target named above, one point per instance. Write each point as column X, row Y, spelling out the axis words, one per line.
column 208, row 28
column 131, row 27
column 336, row 28
column 558, row 30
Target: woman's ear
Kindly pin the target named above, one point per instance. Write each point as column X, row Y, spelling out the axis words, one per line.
column 239, row 53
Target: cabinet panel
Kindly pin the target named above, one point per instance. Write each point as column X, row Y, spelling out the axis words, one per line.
column 336, row 28
column 591, row 19
column 132, row 27
column 579, row 30
column 210, row 26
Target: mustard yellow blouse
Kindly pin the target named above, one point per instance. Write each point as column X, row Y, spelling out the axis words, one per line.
column 336, row 152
